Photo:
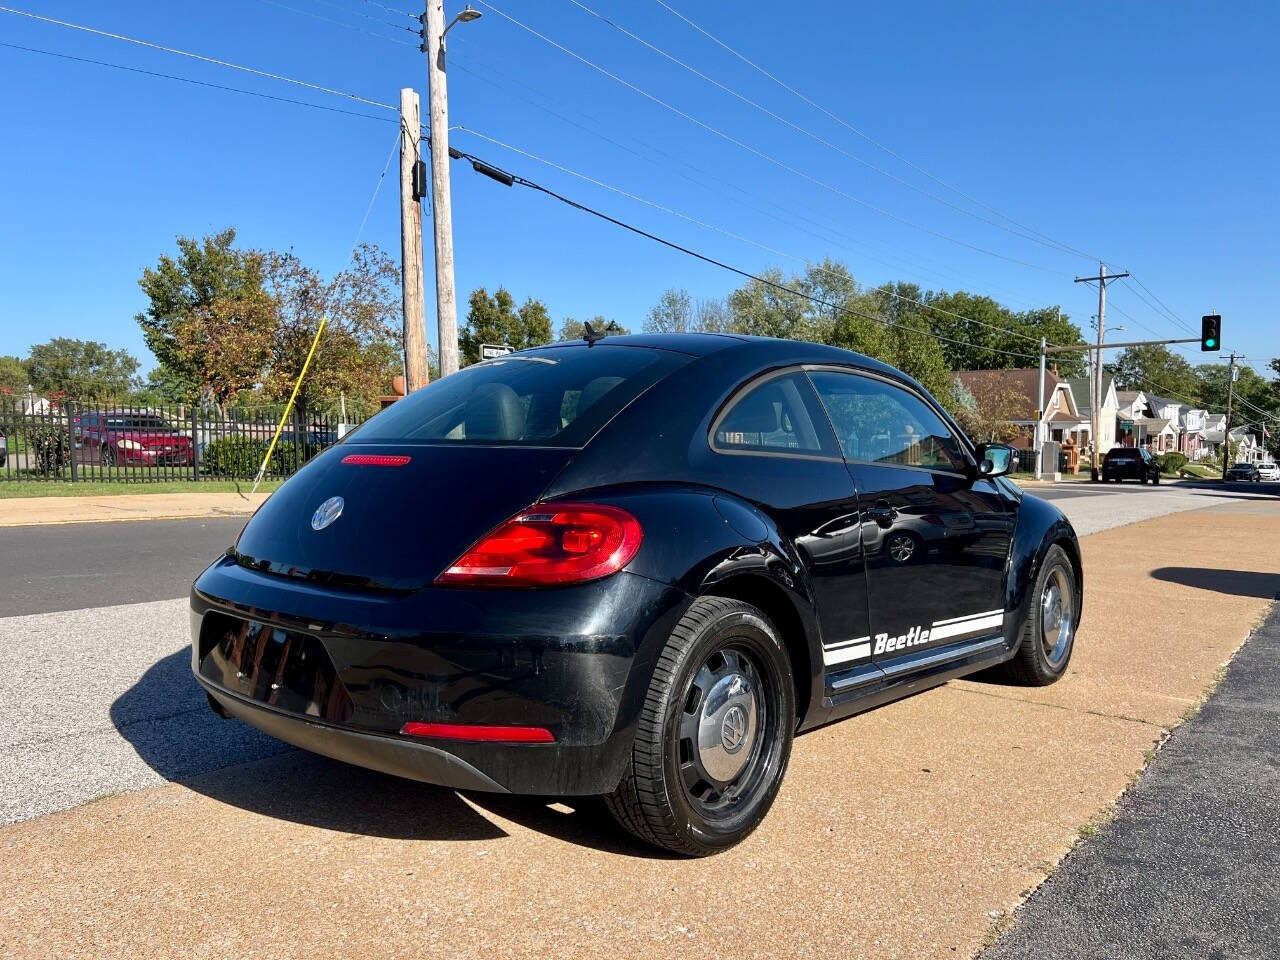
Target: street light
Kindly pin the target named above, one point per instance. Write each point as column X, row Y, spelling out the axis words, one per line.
column 466, row 16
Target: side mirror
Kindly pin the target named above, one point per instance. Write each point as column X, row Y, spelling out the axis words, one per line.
column 996, row 459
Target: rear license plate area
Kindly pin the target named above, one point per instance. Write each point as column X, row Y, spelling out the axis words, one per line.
column 284, row 669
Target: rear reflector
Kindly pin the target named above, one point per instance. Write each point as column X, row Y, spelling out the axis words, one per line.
column 478, row 732
column 549, row 544
column 375, row 460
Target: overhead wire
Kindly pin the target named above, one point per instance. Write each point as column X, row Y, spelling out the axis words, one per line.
column 199, row 83
column 341, row 23
column 850, row 127
column 706, row 258
column 734, row 236
column 817, row 138
column 195, row 56
column 781, row 164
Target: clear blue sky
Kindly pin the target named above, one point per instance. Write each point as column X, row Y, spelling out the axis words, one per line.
column 1140, row 132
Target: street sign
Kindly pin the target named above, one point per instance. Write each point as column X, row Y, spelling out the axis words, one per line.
column 1126, row 424
column 490, row 350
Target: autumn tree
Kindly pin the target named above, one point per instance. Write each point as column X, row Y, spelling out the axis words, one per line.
column 83, row 368
column 208, row 320
column 359, row 351
column 495, row 319
column 986, row 410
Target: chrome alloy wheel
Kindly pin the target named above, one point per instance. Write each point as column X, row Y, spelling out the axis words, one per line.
column 720, row 731
column 1057, row 608
column 901, row 548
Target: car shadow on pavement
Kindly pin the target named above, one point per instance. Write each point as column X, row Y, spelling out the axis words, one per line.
column 1239, row 583
column 166, row 718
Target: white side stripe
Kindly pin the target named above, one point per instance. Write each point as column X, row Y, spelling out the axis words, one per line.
column 972, row 616
column 960, row 628
column 857, row 651
column 845, row 643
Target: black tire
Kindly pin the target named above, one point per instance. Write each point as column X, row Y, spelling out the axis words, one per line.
column 1143, row 479
column 108, row 457
column 656, row 800
column 1156, row 480
column 1037, row 664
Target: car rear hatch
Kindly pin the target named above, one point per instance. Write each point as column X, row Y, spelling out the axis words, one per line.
column 424, row 480
column 397, row 526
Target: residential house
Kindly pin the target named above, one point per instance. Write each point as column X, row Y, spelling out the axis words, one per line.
column 1145, row 420
column 1191, row 431
column 1081, row 390
column 1211, row 436
column 1059, row 414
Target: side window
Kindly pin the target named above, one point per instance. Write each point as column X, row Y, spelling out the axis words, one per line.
column 776, row 415
column 878, row 422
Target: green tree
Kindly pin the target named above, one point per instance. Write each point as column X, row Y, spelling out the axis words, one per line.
column 495, row 319
column 1056, row 330
column 359, row 351
column 673, row 313
column 1251, row 387
column 1155, row 369
column 13, row 376
column 83, row 368
column 572, row 329
column 208, row 320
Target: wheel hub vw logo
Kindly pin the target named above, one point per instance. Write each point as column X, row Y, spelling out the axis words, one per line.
column 733, row 729
column 326, row 513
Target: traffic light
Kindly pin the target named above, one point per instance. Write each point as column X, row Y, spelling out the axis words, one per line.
column 1211, row 332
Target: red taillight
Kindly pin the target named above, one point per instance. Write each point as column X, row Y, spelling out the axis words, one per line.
column 375, row 460
column 548, row 545
column 479, row 732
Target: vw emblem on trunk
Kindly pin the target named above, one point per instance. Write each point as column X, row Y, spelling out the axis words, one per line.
column 326, row 513
column 733, row 729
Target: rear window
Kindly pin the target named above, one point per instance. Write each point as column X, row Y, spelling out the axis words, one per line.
column 551, row 398
column 137, row 421
column 1122, row 455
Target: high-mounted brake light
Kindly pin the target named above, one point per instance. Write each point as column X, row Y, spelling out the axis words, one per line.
column 478, row 732
column 375, row 460
column 549, row 544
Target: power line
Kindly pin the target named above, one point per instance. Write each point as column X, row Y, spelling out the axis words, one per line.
column 341, row 23
column 848, row 126
column 688, row 251
column 390, row 9
column 734, row 236
column 372, row 19
column 756, row 152
column 901, row 263
column 1054, row 245
column 196, row 56
column 199, row 83
column 1173, row 316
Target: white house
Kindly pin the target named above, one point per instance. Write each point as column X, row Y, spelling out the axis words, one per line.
column 1082, row 392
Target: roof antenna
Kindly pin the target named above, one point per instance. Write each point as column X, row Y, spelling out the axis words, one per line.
column 592, row 335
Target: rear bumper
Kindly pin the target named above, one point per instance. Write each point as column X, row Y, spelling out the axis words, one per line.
column 340, row 672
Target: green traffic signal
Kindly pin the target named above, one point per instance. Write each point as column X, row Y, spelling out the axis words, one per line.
column 1210, row 331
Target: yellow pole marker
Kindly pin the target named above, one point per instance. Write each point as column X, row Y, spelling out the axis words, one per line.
column 288, row 406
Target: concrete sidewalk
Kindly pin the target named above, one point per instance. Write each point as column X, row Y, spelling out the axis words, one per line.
column 26, row 511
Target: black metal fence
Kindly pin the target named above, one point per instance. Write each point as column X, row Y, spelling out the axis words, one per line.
column 69, row 440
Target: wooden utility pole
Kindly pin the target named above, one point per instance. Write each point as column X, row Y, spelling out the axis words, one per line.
column 415, row 327
column 1101, row 279
column 1226, row 426
column 441, row 207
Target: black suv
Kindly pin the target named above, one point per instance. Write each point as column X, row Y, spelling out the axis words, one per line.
column 1129, row 463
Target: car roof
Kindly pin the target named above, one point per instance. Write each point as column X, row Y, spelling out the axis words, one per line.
column 705, row 344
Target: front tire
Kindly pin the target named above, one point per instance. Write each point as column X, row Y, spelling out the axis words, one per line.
column 714, row 735
column 1049, row 632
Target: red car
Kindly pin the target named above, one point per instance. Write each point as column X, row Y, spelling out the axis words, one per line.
column 135, row 438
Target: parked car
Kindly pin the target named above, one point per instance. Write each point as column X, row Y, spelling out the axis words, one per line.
column 633, row 568
column 1130, row 463
column 137, row 438
column 1244, row 471
column 1268, row 471
column 4, row 449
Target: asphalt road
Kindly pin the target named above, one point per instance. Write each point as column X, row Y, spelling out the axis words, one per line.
column 73, row 566
column 1188, row 866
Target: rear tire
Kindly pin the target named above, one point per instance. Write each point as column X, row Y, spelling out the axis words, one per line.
column 714, row 735
column 1049, row 632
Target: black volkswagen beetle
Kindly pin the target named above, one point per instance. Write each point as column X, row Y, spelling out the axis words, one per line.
column 635, row 568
